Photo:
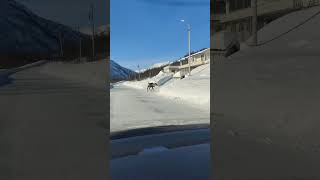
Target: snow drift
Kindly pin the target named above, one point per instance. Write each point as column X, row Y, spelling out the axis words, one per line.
column 273, row 90
column 226, row 42
column 194, row 90
column 93, row 73
column 161, row 78
column 90, row 73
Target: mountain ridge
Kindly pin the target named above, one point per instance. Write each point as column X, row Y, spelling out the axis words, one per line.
column 118, row 72
column 22, row 31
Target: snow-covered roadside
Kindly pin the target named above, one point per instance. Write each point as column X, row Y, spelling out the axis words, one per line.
column 193, row 90
column 133, row 108
column 273, row 90
column 160, row 79
column 91, row 73
column 5, row 73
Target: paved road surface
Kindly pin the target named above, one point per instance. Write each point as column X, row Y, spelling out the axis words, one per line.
column 52, row 129
column 133, row 108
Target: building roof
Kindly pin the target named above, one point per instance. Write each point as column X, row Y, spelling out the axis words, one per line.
column 195, row 53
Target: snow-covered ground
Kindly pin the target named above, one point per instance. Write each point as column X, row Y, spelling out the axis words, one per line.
column 266, row 104
column 160, row 79
column 273, row 90
column 91, row 73
column 132, row 108
column 194, row 90
column 174, row 102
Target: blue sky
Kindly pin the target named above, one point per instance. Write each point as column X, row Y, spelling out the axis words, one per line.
column 145, row 32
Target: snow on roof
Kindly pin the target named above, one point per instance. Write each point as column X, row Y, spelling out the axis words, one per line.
column 192, row 54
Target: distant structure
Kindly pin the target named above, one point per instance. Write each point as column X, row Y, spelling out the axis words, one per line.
column 179, row 67
column 196, row 59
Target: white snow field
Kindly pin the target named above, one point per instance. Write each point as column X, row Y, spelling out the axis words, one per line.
column 266, row 104
column 193, row 90
column 160, row 79
column 91, row 73
column 174, row 102
column 273, row 91
column 132, row 108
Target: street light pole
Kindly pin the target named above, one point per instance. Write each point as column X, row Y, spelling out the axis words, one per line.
column 80, row 45
column 254, row 7
column 189, row 46
column 91, row 18
column 61, row 43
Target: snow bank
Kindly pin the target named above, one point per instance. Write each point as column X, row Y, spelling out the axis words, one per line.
column 91, row 73
column 194, row 89
column 303, row 40
column 136, row 84
column 273, row 90
column 160, row 79
column 223, row 40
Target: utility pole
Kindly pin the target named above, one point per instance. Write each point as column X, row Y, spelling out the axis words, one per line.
column 189, row 46
column 91, row 18
column 254, row 21
column 61, row 44
column 80, row 45
column 139, row 71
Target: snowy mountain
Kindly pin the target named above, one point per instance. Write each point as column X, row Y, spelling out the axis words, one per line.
column 119, row 72
column 141, row 70
column 25, row 32
column 156, row 65
column 160, row 64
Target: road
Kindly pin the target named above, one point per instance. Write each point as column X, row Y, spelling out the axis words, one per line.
column 134, row 108
column 52, row 128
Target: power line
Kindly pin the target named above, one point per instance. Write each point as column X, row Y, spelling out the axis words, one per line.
column 288, row 31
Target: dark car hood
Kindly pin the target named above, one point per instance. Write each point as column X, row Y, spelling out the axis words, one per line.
column 170, row 153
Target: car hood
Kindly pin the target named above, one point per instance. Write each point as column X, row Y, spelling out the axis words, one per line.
column 182, row 154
